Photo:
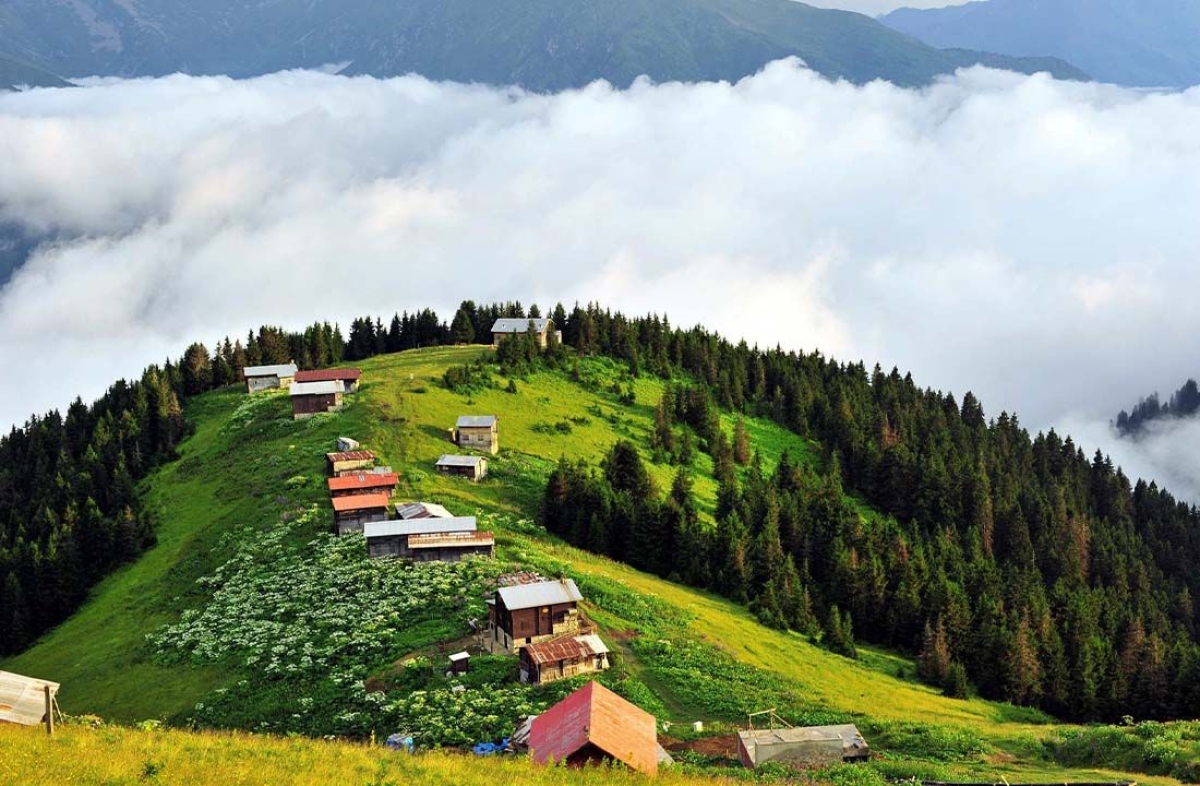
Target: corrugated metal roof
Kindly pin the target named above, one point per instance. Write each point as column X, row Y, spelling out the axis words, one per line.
column 284, row 370
column 476, row 421
column 422, row 510
column 363, row 480
column 384, row 529
column 437, row 540
column 313, row 389
column 575, row 648
column 351, row 455
column 546, row 593
column 756, row 740
column 520, row 324
column 329, row 375
column 23, row 699
column 459, row 461
column 597, row 715
column 360, row 502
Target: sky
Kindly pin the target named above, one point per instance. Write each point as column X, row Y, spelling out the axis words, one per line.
column 1029, row 240
column 877, row 7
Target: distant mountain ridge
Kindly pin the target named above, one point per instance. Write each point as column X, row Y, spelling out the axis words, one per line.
column 1138, row 43
column 538, row 44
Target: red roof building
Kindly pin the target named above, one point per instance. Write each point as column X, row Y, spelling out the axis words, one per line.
column 351, row 513
column 362, row 483
column 594, row 724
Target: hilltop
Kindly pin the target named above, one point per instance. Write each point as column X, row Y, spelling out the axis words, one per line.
column 243, row 510
column 540, row 45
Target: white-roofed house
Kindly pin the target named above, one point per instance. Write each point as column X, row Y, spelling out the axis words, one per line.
column 518, row 326
column 422, row 510
column 531, row 613
column 259, row 378
column 478, row 432
column 473, row 467
column 314, row 398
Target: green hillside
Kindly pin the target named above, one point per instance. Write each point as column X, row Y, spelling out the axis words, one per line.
column 237, row 508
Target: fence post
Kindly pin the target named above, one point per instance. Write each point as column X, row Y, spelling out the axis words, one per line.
column 49, row 712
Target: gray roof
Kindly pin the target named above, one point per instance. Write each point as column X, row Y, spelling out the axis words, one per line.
column 286, row 370
column 314, row 388
column 459, row 461
column 546, row 593
column 476, row 421
column 847, row 733
column 520, row 325
column 384, row 529
column 422, row 510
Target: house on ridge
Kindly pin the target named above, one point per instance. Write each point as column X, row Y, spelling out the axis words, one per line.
column 519, row 326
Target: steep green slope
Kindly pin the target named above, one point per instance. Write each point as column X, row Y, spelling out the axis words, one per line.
column 249, row 464
column 539, row 44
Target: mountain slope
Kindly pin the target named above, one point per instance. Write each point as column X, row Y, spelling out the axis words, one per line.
column 15, row 75
column 1144, row 43
column 249, row 464
column 539, row 44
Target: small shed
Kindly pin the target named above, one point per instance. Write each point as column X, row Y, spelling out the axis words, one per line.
column 422, row 510
column 594, row 725
column 530, row 613
column 259, row 378
column 346, row 378
column 314, row 398
column 478, row 432
column 362, row 483
column 345, row 443
column 560, row 659
column 805, row 746
column 471, row 467
column 346, row 461
column 460, row 663
column 352, row 513
column 391, row 538
column 450, row 546
column 23, row 699
column 519, row 326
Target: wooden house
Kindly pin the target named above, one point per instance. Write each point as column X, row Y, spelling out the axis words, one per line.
column 393, row 538
column 353, row 513
column 518, row 326
column 802, row 747
column 348, row 460
column 24, row 700
column 595, row 725
column 450, row 546
column 530, row 613
column 478, row 432
column 362, row 483
column 314, row 398
column 346, row 378
column 260, row 378
column 560, row 659
column 472, row 467
column 422, row 510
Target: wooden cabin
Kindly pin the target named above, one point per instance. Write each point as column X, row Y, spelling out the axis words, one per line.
column 450, row 546
column 347, row 379
column 259, row 378
column 474, row 468
column 348, row 460
column 314, row 398
column 802, row 747
column 392, row 538
column 478, row 432
column 561, row 659
column 595, row 725
column 353, row 513
column 530, row 613
column 460, row 663
column 363, row 483
column 507, row 327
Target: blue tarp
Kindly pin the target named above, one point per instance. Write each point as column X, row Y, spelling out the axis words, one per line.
column 490, row 748
column 399, row 742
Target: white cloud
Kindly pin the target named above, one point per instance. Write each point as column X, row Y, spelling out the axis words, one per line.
column 1028, row 239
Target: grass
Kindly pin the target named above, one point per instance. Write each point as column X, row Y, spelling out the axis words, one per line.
column 250, row 464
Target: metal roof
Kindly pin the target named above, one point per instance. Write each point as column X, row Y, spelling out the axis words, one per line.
column 520, row 324
column 362, row 480
column 574, row 648
column 23, row 699
column 766, row 744
column 284, row 370
column 329, row 375
column 437, row 540
column 476, row 421
column 459, row 461
column 546, row 593
column 385, row 529
column 360, row 502
column 459, row 656
column 422, row 510
column 350, row 455
column 314, row 389
column 594, row 714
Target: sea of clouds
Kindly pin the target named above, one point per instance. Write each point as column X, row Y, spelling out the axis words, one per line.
column 1035, row 241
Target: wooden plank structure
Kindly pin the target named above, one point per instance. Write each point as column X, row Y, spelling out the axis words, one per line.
column 472, row 467
column 393, row 538
column 346, row 378
column 560, row 659
column 450, row 546
column 314, row 398
column 343, row 461
column 28, row 701
column 362, row 483
column 352, row 513
column 530, row 613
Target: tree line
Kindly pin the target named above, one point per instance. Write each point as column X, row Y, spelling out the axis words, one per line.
column 1183, row 403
